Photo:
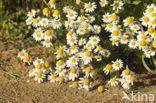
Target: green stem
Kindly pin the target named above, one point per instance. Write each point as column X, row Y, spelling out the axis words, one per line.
column 145, row 65
column 46, row 3
column 154, row 61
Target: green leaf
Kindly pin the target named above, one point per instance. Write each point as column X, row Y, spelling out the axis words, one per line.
column 137, row 2
column 147, row 90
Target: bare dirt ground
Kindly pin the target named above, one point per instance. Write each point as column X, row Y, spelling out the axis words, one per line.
column 18, row 90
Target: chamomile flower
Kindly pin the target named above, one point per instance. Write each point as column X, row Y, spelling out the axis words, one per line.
column 56, row 24
column 118, row 64
column 132, row 79
column 44, row 22
column 82, row 41
column 98, row 57
column 27, row 59
column 86, row 26
column 69, row 23
column 46, row 11
column 124, row 39
column 38, row 61
column 86, row 57
column 73, row 49
column 106, row 18
column 67, row 9
column 31, row 13
column 72, row 40
column 94, row 39
column 29, row 21
column 90, row 7
column 152, row 23
column 114, row 18
column 103, row 3
column 111, row 27
column 85, row 82
column 52, row 3
column 115, row 41
column 126, row 73
column 135, row 27
column 88, row 71
column 60, row 64
column 74, row 73
column 106, row 53
column 36, row 22
column 48, row 34
column 117, row 5
column 52, row 78
column 91, row 19
column 31, row 73
column 75, row 85
column 151, row 8
column 125, row 83
column 38, row 30
column 72, row 62
column 81, row 19
column 133, row 44
column 148, row 53
column 47, row 43
column 71, row 15
column 21, row 54
column 128, row 21
column 81, row 31
column 39, row 36
column 145, row 20
column 61, row 79
column 96, row 29
column 113, row 81
column 108, row 69
column 39, row 77
column 56, row 14
column 47, row 66
column 98, row 49
column 78, row 2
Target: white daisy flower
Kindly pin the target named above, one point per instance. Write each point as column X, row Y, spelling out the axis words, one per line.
column 135, row 27
column 113, row 81
column 46, row 11
column 81, row 31
column 56, row 14
column 67, row 9
column 128, row 21
column 133, row 44
column 21, row 54
column 82, row 41
column 36, row 22
column 75, row 85
column 81, row 19
column 90, row 7
column 48, row 34
column 125, row 83
column 71, row 15
column 103, row 3
column 44, row 22
column 29, row 21
column 72, row 61
column 114, row 18
column 31, row 73
column 56, row 24
column 39, row 36
column 86, row 57
column 98, row 57
column 88, row 71
column 124, row 39
column 74, row 73
column 94, row 39
column 117, row 5
column 39, row 77
column 47, row 43
column 52, row 3
column 126, row 73
column 52, row 78
column 60, row 64
column 106, row 53
column 26, row 58
column 91, row 19
column 73, row 49
column 72, row 40
column 96, row 29
column 118, row 64
column 106, row 18
column 98, row 49
column 85, row 83
column 108, row 69
column 38, row 61
column 31, row 13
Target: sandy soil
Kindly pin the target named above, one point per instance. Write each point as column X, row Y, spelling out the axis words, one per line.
column 18, row 90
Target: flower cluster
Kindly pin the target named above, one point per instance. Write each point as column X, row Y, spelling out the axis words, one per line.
column 74, row 60
column 135, row 34
column 127, row 76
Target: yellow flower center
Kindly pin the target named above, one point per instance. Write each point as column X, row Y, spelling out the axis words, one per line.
column 126, row 72
column 153, row 15
column 72, row 47
column 27, row 58
column 52, row 2
column 115, row 33
column 123, row 38
column 142, row 43
column 31, row 13
column 75, row 85
column 150, row 30
column 154, row 43
column 59, row 70
column 56, row 22
column 48, row 33
column 60, row 62
column 153, row 22
column 71, row 14
column 53, row 77
column 96, row 29
column 133, row 43
column 88, row 69
column 88, row 53
column 29, row 20
column 85, row 26
column 132, row 78
column 113, row 80
column 38, row 35
column 86, row 81
column 117, row 64
column 60, row 79
column 36, row 21
column 94, row 39
column 44, row 22
column 47, row 41
column 39, row 75
column 150, row 10
column 73, row 60
column 146, row 19
column 99, row 48
column 109, row 67
column 46, row 64
column 82, row 19
column 21, row 54
column 114, row 17
column 129, row 20
column 106, row 17
column 110, row 25
column 100, row 89
column 82, row 41
column 70, row 33
column 38, row 66
column 89, row 6
column 102, row 2
column 31, row 71
column 116, row 4
column 73, row 70
column 60, row 52
column 56, row 12
column 45, row 10
column 72, row 40
column 114, row 40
